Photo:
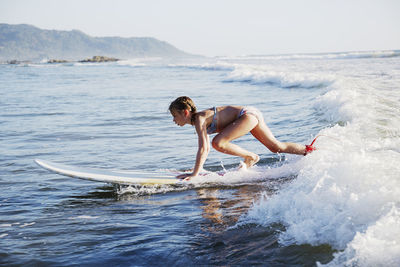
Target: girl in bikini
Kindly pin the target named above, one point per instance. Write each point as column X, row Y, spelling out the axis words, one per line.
column 229, row 122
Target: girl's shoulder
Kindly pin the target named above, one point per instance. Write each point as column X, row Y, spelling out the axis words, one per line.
column 204, row 115
column 206, row 112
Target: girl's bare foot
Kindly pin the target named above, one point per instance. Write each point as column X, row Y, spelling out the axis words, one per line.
column 251, row 161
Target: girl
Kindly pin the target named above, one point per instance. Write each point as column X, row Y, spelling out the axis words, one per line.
column 230, row 122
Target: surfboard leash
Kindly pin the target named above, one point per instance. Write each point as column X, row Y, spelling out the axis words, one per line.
column 310, row 148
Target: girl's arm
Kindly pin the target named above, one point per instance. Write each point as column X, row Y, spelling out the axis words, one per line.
column 203, row 150
column 204, row 147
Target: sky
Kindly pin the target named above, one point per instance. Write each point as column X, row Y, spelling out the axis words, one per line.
column 222, row 27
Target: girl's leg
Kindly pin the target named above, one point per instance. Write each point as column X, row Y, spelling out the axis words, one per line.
column 265, row 136
column 240, row 127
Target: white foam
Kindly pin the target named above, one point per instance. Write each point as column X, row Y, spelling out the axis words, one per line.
column 139, row 62
column 232, row 177
column 27, row 224
column 219, row 65
column 322, row 56
column 132, row 63
column 285, row 79
column 372, row 247
column 347, row 192
column 141, row 190
column 348, row 100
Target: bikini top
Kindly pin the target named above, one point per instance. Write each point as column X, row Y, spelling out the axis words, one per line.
column 212, row 128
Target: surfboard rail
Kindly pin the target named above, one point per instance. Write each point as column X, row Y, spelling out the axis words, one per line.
column 109, row 176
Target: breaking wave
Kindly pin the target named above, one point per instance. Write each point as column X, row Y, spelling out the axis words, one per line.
column 346, row 192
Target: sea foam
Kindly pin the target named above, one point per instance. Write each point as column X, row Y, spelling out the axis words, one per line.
column 346, row 192
column 230, row 177
column 213, row 66
column 322, row 56
column 285, row 79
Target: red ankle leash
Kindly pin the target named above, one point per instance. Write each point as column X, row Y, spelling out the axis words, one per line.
column 310, row 148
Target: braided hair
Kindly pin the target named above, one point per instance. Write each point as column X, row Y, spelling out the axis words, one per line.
column 182, row 103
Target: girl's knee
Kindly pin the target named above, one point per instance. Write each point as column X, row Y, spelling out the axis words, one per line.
column 218, row 143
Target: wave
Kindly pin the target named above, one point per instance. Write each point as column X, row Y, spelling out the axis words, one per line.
column 262, row 75
column 346, row 192
column 323, row 56
column 258, row 75
column 140, row 62
column 45, row 114
column 217, row 66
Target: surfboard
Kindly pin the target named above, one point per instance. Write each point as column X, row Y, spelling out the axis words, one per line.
column 110, row 176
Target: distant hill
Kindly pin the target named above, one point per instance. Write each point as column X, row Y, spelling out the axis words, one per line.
column 26, row 42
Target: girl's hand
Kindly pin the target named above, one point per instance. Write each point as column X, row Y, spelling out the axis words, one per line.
column 185, row 176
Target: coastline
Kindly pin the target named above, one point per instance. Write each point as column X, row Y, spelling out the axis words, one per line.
column 94, row 59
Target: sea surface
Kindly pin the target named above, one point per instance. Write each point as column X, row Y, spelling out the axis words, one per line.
column 338, row 206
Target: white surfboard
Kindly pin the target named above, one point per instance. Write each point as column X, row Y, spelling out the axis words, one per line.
column 108, row 176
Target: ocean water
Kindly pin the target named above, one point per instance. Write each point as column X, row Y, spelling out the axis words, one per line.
column 338, row 206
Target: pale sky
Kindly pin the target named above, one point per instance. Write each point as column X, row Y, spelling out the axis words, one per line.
column 224, row 27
